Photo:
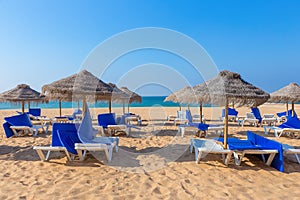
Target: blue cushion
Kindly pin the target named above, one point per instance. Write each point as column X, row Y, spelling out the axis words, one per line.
column 255, row 141
column 8, row 132
column 188, row 116
column 269, row 144
column 238, row 144
column 67, row 127
column 292, row 122
column 290, row 112
column 68, row 139
column 231, row 111
column 281, row 114
column 19, row 120
column 35, row 111
column 203, row 127
column 106, row 119
column 256, row 113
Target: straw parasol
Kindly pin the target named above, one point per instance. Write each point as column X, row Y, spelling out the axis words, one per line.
column 185, row 95
column 82, row 86
column 124, row 95
column 131, row 97
column 289, row 93
column 228, row 87
column 22, row 93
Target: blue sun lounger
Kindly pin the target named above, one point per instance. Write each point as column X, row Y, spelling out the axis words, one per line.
column 109, row 123
column 291, row 126
column 77, row 138
column 232, row 114
column 203, row 147
column 271, row 151
column 56, row 144
column 199, row 126
column 19, row 124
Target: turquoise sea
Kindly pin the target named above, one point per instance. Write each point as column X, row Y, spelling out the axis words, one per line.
column 147, row 101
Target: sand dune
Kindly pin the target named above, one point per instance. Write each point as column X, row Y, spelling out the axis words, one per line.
column 154, row 163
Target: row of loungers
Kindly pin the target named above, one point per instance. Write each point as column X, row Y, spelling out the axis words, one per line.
column 66, row 138
column 21, row 124
column 271, row 152
column 289, row 127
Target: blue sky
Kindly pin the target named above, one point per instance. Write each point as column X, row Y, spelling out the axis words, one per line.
column 43, row 41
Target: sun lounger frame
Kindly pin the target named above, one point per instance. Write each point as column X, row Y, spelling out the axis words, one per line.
column 49, row 149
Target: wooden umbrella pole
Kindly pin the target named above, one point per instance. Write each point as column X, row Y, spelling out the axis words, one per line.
column 109, row 106
column 128, row 107
column 83, row 106
column 123, row 107
column 200, row 111
column 78, row 105
column 189, row 107
column 179, row 107
column 23, row 107
column 226, row 123
column 293, row 109
column 287, row 108
column 60, row 108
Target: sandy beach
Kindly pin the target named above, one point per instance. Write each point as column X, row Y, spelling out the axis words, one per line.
column 153, row 163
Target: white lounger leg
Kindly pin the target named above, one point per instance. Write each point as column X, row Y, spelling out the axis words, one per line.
column 226, row 159
column 108, row 149
column 199, row 157
column 270, row 159
column 40, row 149
column 238, row 159
column 108, row 153
column 297, row 157
column 296, row 152
column 41, row 155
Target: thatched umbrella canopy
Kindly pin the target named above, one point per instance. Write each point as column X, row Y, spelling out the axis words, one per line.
column 21, row 94
column 229, row 87
column 82, row 86
column 185, row 95
column 124, row 95
column 131, row 97
column 289, row 93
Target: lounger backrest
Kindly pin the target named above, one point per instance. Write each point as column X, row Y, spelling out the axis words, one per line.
column 180, row 114
column 76, row 112
column 66, row 127
column 250, row 116
column 8, row 132
column 189, row 116
column 208, row 144
column 231, row 111
column 19, row 120
column 281, row 114
column 35, row 112
column 269, row 116
column 257, row 114
column 106, row 119
column 68, row 139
